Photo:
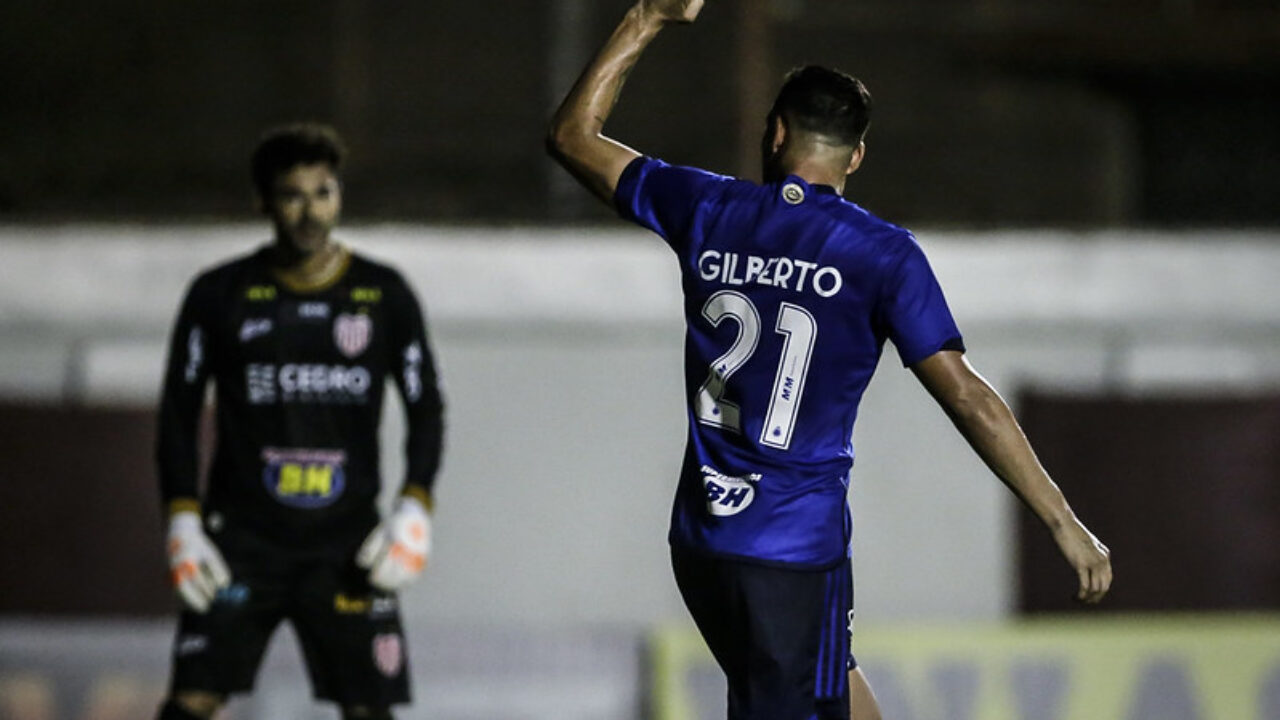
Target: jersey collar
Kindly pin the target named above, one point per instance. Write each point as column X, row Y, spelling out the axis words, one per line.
column 817, row 188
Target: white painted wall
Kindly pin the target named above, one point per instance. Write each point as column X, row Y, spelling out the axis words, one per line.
column 560, row 353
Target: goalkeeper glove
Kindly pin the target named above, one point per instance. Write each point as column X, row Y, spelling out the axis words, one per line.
column 197, row 567
column 396, row 551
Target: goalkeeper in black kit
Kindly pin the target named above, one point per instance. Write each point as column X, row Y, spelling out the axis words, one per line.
column 298, row 338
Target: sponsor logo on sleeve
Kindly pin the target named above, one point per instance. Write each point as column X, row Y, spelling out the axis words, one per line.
column 388, row 654
column 195, row 354
column 254, row 327
column 352, row 333
column 304, row 478
column 728, row 495
column 413, row 372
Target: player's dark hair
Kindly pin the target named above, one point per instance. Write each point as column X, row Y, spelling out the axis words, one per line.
column 288, row 146
column 824, row 101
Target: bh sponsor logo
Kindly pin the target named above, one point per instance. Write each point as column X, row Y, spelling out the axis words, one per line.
column 304, row 478
column 728, row 495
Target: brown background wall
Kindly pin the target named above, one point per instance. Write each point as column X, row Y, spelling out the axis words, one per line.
column 80, row 521
column 1185, row 491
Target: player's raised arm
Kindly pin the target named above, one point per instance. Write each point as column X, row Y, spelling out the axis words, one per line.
column 987, row 423
column 576, row 139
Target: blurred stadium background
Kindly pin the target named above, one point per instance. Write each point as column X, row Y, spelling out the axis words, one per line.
column 1097, row 183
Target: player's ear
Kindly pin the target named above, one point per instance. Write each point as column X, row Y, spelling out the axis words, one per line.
column 856, row 159
column 779, row 131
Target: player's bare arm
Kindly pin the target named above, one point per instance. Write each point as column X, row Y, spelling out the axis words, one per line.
column 576, row 138
column 986, row 421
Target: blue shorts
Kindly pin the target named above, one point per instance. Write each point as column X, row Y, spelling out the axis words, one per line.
column 781, row 636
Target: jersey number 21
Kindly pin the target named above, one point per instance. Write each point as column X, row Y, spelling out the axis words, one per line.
column 799, row 330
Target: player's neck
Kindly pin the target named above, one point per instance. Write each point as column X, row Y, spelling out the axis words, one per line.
column 817, row 173
column 313, row 271
column 815, row 159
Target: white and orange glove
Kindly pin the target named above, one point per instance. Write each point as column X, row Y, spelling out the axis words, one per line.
column 396, row 551
column 197, row 568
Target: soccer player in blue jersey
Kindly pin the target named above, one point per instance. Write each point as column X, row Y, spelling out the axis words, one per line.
column 790, row 293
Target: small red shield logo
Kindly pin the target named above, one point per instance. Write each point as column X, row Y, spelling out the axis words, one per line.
column 388, row 655
column 352, row 333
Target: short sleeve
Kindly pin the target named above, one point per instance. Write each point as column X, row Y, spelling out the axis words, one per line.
column 915, row 311
column 664, row 198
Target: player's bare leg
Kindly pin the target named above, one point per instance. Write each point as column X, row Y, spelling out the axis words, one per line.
column 186, row 704
column 862, row 702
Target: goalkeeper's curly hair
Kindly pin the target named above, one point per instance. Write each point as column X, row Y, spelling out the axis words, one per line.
column 288, row 146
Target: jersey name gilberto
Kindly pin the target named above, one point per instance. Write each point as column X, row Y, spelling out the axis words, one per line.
column 730, row 268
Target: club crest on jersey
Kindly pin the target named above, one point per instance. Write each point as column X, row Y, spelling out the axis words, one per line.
column 793, row 194
column 388, row 654
column 728, row 495
column 352, row 333
column 302, row 478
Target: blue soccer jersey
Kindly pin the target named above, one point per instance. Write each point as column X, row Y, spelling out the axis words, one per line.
column 789, row 294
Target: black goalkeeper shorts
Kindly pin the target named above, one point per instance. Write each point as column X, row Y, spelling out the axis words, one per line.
column 781, row 636
column 350, row 634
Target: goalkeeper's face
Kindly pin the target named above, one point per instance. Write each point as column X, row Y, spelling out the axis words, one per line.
column 304, row 206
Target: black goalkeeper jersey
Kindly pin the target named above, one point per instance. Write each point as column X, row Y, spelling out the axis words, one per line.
column 299, row 379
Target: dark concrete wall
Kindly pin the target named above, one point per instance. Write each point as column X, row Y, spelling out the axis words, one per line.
column 989, row 112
